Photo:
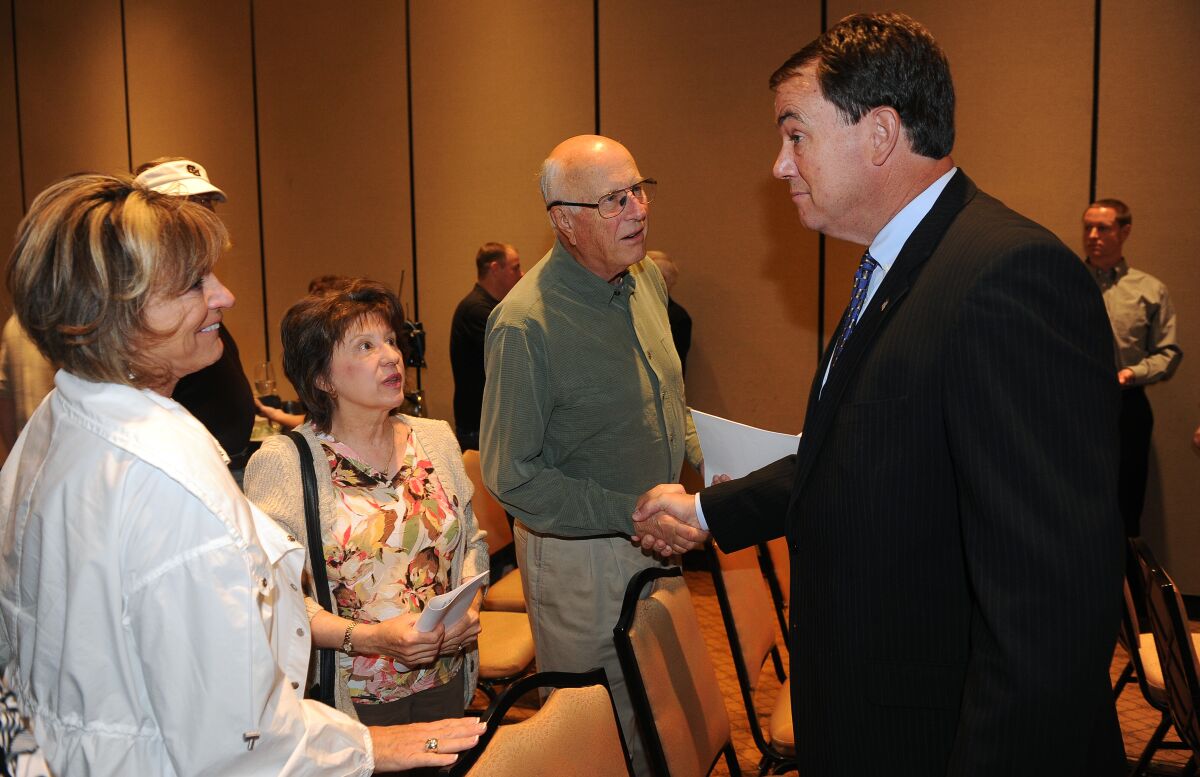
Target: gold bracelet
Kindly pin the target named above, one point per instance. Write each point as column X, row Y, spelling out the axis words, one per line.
column 347, row 648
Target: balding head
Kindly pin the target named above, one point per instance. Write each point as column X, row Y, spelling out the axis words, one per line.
column 583, row 169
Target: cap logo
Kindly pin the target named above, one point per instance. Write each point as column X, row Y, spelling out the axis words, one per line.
column 194, row 170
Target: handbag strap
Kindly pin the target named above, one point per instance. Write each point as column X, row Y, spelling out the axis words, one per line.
column 312, row 521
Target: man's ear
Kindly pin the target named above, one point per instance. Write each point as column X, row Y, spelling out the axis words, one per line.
column 886, row 131
column 561, row 219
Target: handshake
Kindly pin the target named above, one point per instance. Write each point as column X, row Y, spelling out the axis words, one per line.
column 665, row 520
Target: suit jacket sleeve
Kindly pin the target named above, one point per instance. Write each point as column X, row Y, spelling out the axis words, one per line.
column 1031, row 410
column 751, row 509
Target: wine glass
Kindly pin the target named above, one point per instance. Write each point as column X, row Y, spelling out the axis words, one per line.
column 265, row 389
column 264, row 381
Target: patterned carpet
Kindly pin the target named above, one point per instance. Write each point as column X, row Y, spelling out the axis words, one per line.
column 1138, row 719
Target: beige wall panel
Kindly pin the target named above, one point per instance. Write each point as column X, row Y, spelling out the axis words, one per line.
column 191, row 94
column 495, row 87
column 1148, row 116
column 1029, row 147
column 333, row 146
column 684, row 86
column 69, row 61
column 11, row 205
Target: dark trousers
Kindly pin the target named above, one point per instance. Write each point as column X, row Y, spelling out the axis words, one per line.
column 444, row 701
column 1137, row 423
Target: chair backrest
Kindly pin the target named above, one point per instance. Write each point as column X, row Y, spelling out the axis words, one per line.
column 1131, row 638
column 680, row 710
column 749, row 616
column 488, row 512
column 746, row 607
column 1172, row 638
column 776, row 566
column 575, row 732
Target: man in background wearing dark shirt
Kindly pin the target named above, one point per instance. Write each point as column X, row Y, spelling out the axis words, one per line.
column 498, row 268
column 219, row 395
column 680, row 320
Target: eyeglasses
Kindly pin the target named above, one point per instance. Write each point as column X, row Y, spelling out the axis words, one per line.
column 613, row 203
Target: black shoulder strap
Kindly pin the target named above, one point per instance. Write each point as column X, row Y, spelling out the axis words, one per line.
column 323, row 690
column 312, row 520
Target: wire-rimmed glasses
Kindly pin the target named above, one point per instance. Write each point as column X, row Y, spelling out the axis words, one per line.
column 611, row 204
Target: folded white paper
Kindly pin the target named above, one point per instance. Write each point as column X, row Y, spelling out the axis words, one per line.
column 736, row 449
column 449, row 607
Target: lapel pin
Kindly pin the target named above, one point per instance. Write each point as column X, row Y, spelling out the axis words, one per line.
column 883, row 307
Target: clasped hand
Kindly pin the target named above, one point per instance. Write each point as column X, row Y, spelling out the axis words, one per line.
column 665, row 521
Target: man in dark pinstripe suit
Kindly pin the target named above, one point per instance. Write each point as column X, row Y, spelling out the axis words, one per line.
column 951, row 511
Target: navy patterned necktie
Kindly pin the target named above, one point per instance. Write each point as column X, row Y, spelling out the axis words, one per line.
column 862, row 278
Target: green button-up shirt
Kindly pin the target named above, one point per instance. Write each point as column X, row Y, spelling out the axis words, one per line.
column 583, row 407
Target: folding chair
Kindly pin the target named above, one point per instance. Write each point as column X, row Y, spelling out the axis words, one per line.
column 776, row 564
column 505, row 592
column 1145, row 668
column 1176, row 647
column 680, row 711
column 506, row 650
column 575, row 732
column 745, row 607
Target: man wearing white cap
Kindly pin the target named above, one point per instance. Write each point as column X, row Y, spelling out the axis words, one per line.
column 180, row 177
column 219, row 395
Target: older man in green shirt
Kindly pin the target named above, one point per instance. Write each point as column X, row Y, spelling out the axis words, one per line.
column 584, row 408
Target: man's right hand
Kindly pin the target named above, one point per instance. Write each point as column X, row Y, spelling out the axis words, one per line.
column 665, row 521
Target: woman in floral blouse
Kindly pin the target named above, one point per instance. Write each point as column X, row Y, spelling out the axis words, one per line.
column 395, row 504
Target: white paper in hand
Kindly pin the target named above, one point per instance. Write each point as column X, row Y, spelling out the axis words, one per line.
column 736, row 449
column 450, row 607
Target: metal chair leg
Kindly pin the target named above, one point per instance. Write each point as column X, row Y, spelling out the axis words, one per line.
column 1123, row 680
column 1152, row 746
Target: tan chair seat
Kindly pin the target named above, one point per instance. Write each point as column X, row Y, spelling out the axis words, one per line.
column 506, row 594
column 1149, row 654
column 505, row 644
column 575, row 732
column 783, row 736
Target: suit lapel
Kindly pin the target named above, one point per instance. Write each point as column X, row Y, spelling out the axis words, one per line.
column 823, row 403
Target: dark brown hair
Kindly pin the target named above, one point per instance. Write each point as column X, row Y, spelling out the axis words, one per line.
column 318, row 323
column 870, row 60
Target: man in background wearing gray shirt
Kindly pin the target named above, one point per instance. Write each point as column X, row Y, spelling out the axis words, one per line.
column 1146, row 351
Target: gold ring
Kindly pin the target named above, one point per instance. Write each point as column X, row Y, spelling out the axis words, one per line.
column 431, row 745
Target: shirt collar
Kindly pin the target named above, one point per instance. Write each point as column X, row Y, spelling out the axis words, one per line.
column 891, row 239
column 486, row 294
column 586, row 283
column 1119, row 270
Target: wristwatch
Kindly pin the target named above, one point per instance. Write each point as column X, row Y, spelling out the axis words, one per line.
column 347, row 648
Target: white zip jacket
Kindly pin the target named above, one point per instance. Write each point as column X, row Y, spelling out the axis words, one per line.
column 151, row 621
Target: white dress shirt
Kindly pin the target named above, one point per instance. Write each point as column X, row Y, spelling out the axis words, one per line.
column 151, row 621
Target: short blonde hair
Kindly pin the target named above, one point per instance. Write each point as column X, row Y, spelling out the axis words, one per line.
column 90, row 253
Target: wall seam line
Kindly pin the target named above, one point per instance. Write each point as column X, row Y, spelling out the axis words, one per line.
column 262, row 237
column 12, row 7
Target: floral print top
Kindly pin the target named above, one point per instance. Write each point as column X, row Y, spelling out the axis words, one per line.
column 388, row 550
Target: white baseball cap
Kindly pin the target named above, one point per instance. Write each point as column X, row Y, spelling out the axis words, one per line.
column 181, row 178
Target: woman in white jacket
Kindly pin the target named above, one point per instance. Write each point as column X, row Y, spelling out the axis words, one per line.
column 150, row 617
